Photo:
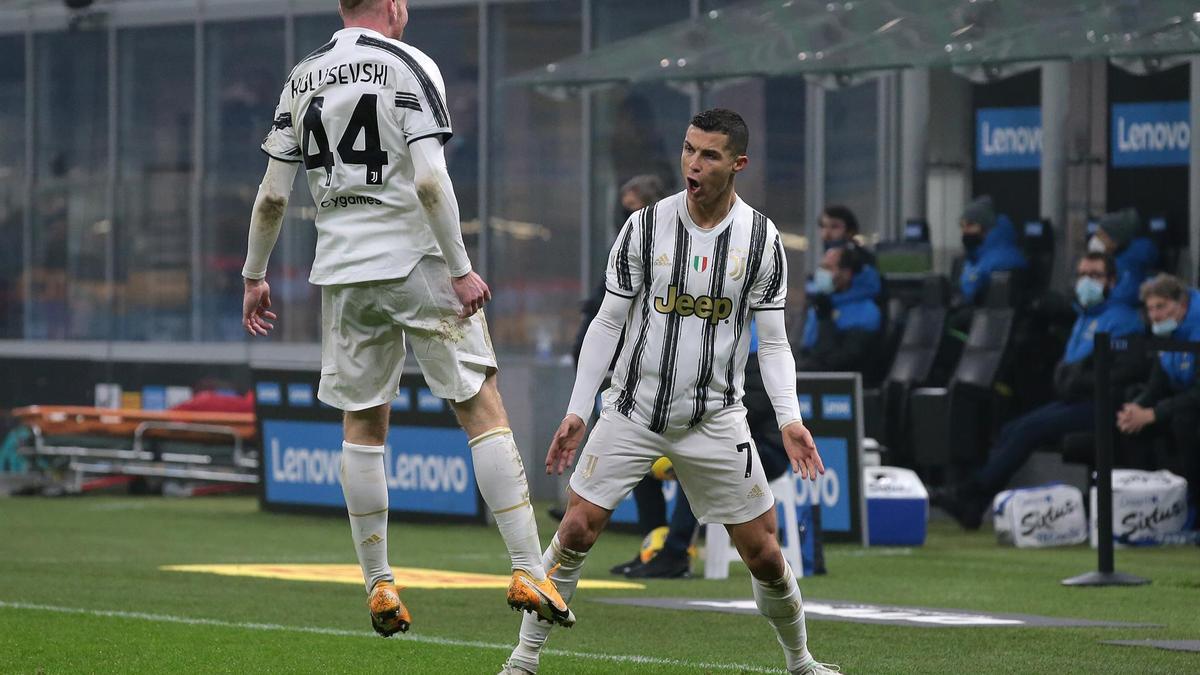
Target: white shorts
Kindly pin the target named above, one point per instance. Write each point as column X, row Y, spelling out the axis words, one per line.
column 363, row 327
column 716, row 462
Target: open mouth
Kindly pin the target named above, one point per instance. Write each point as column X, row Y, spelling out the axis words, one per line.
column 693, row 185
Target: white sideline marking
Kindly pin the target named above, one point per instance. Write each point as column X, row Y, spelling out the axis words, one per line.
column 427, row 639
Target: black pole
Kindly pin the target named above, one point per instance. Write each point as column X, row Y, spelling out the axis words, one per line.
column 1105, row 419
column 1104, row 452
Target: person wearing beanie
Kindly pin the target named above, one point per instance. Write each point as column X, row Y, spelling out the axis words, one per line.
column 1119, row 235
column 990, row 245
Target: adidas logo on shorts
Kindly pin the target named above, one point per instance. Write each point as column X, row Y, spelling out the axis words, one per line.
column 755, row 492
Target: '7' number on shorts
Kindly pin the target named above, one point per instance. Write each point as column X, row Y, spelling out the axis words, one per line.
column 749, row 457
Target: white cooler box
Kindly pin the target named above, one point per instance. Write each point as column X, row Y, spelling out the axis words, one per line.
column 1146, row 505
column 1037, row 517
column 897, row 506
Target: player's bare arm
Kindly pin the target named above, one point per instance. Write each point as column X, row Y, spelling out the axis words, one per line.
column 779, row 379
column 266, row 220
column 599, row 345
column 436, row 193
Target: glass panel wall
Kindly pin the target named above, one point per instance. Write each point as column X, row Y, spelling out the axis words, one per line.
column 71, row 229
column 636, row 130
column 851, row 151
column 536, row 184
column 243, row 71
column 156, row 112
column 12, row 186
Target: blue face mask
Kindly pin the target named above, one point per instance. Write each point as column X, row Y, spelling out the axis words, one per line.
column 823, row 281
column 1164, row 328
column 1089, row 292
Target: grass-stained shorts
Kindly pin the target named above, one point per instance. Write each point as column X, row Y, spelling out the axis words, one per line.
column 363, row 327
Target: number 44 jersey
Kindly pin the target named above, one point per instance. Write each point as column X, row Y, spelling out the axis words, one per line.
column 348, row 112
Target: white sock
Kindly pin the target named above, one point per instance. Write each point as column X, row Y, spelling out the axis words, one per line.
column 780, row 602
column 566, row 577
column 501, row 478
column 364, row 485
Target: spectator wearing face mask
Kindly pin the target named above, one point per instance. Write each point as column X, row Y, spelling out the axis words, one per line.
column 843, row 323
column 1169, row 403
column 1118, row 236
column 1073, row 410
column 839, row 226
column 990, row 245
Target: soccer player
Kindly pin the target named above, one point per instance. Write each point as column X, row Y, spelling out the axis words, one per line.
column 687, row 273
column 366, row 115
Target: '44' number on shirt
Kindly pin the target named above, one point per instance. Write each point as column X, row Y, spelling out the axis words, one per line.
column 365, row 121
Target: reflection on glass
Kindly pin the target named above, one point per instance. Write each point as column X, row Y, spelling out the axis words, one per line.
column 851, row 151
column 154, row 173
column 243, row 71
column 535, row 184
column 70, row 235
column 12, row 185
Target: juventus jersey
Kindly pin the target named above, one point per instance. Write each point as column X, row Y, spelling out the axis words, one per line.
column 348, row 111
column 688, row 332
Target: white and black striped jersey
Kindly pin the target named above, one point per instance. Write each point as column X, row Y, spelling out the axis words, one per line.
column 348, row 111
column 688, row 331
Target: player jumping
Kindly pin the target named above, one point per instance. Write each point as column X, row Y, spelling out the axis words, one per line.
column 686, row 274
column 366, row 115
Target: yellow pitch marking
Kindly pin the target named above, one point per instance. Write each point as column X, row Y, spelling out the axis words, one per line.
column 408, row 577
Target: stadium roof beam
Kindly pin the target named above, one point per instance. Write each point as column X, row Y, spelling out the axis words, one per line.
column 840, row 42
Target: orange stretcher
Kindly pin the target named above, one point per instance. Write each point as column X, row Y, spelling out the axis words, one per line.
column 168, row 443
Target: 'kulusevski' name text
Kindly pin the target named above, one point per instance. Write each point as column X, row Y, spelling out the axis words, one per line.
column 344, row 73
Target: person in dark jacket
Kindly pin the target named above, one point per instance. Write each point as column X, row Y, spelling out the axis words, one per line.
column 1169, row 404
column 1072, row 411
column 990, row 245
column 839, row 226
column 843, row 323
column 1118, row 236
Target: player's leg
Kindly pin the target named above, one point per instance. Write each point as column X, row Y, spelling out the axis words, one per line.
column 458, row 363
column 362, row 358
column 617, row 455
column 719, row 468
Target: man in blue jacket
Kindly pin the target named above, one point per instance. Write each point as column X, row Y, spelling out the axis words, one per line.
column 1169, row 404
column 1074, row 383
column 1118, row 236
column 990, row 244
column 843, row 322
column 839, row 226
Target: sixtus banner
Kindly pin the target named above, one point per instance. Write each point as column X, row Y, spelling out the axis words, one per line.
column 427, row 461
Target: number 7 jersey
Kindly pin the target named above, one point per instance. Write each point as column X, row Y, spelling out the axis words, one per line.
column 688, row 332
column 348, row 112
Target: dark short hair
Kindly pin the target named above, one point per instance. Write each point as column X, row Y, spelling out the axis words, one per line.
column 1110, row 263
column 852, row 257
column 648, row 188
column 1164, row 286
column 723, row 121
column 844, row 214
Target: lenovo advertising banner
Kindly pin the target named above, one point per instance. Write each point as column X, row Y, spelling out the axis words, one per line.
column 1008, row 139
column 1151, row 134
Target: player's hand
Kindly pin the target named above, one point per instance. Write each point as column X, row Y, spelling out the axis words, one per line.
column 256, row 303
column 802, row 451
column 566, row 441
column 471, row 292
column 1132, row 418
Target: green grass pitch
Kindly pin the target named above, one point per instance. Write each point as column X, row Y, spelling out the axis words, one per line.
column 81, row 591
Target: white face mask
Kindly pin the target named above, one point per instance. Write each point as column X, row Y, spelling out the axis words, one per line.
column 1164, row 328
column 1096, row 245
column 823, row 281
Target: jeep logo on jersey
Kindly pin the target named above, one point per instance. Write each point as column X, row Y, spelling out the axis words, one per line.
column 714, row 310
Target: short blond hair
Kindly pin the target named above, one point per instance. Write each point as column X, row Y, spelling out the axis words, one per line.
column 352, row 6
column 1164, row 286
